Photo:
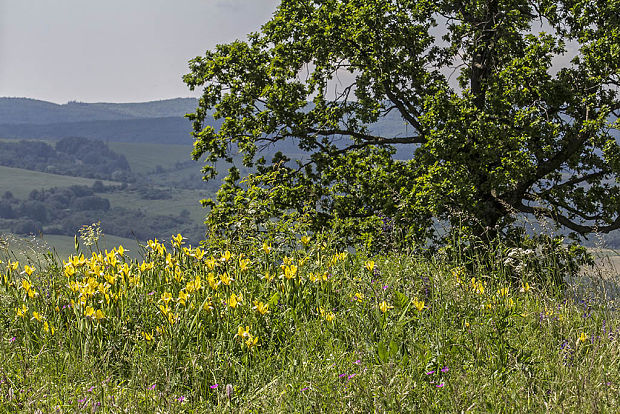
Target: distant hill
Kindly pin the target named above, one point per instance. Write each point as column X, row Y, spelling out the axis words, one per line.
column 32, row 111
column 173, row 130
column 155, row 122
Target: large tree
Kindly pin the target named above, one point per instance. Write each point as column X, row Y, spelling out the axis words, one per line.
column 490, row 125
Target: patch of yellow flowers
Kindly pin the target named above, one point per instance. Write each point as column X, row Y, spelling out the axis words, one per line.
column 175, row 284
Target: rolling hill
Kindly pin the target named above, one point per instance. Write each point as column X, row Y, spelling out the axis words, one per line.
column 32, row 111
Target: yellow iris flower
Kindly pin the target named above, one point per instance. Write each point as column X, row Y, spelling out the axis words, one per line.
column 166, row 297
column 183, row 296
column 266, row 247
column 290, row 271
column 21, row 312
column 226, row 256
column 234, row 300
column 225, row 278
column 242, row 333
column 385, row 307
column 260, row 307
column 418, row 304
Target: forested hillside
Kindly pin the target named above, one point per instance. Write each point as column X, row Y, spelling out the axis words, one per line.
column 74, row 156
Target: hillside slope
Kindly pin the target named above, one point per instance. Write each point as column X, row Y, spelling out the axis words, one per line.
column 33, row 111
column 172, row 130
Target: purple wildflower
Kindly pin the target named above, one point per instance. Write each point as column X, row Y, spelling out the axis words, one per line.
column 351, row 376
column 91, row 389
column 181, row 399
column 430, row 372
column 214, row 386
column 342, row 375
column 152, row 387
column 440, row 385
column 304, row 389
column 13, row 339
column 359, row 361
column 445, row 369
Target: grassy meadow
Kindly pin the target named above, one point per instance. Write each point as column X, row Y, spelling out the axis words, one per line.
column 144, row 158
column 180, row 200
column 21, row 182
column 299, row 326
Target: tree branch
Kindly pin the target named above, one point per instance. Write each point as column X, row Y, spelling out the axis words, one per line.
column 402, row 108
column 563, row 205
column 546, row 167
column 566, row 222
column 574, row 180
column 372, row 139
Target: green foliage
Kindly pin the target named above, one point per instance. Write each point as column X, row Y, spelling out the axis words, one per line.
column 295, row 325
column 515, row 137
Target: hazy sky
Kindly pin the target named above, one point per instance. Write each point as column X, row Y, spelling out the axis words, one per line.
column 114, row 50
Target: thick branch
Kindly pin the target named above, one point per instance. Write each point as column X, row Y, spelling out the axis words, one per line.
column 372, row 139
column 402, row 108
column 552, row 164
column 566, row 222
column 574, row 181
column 563, row 205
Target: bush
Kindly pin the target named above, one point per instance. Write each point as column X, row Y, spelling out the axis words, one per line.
column 90, row 203
column 25, row 226
column 6, row 210
column 35, row 210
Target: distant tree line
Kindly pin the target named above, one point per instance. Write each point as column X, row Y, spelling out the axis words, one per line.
column 64, row 210
column 78, row 157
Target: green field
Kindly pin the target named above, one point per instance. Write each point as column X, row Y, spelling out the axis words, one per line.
column 144, row 158
column 21, row 182
column 181, row 200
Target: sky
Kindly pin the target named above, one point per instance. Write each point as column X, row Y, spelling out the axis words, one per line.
column 114, row 50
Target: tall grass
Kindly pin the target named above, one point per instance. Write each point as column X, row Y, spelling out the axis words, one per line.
column 264, row 328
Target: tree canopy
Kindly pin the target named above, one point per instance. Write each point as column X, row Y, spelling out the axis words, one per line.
column 491, row 127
